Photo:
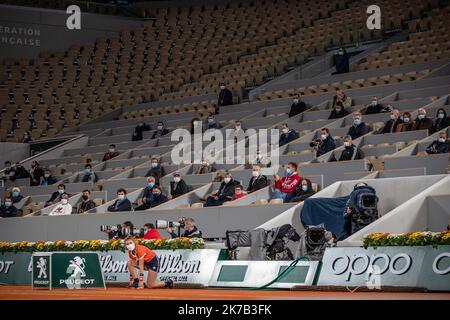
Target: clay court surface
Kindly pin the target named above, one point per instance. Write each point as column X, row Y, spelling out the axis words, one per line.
column 25, row 292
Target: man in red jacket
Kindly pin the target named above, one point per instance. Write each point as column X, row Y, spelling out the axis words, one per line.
column 284, row 187
column 150, row 232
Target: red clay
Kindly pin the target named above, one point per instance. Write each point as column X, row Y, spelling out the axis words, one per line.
column 26, row 293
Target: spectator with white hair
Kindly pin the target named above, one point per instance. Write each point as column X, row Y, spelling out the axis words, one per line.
column 422, row 122
column 15, row 195
column 440, row 145
column 394, row 120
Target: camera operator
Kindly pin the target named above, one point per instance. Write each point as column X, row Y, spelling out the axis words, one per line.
column 324, row 144
column 117, row 233
column 190, row 229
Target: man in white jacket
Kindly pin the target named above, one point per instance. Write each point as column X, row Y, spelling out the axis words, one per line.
column 63, row 207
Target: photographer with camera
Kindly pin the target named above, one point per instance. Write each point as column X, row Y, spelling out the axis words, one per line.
column 143, row 258
column 190, row 229
column 118, row 231
column 324, row 144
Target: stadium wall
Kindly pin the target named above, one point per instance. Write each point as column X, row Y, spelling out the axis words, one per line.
column 25, row 32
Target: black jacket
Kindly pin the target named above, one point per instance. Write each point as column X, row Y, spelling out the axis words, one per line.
column 225, row 98
column 125, row 205
column 20, row 173
column 300, row 194
column 158, row 133
column 348, row 152
column 359, row 130
column 156, row 173
column 288, row 137
column 438, row 147
column 48, row 181
column 336, row 115
column 110, row 155
column 86, row 206
column 194, row 233
column 391, row 126
column 8, row 212
column 440, row 124
column 86, row 177
column 226, row 190
column 297, row 108
column 156, row 201
column 16, row 199
column 374, row 109
column 36, row 176
column 55, row 197
column 138, row 130
column 257, row 183
column 178, row 189
column 326, row 146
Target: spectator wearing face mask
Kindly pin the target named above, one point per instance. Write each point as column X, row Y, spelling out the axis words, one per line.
column 122, row 203
column 48, row 179
column 359, row 128
column 150, row 232
column 139, row 129
column 440, row 145
column 195, row 123
column 7, row 209
column 225, row 96
column 211, row 123
column 338, row 111
column 422, row 122
column 261, row 159
column 342, row 97
column 56, row 196
column 157, row 171
column 147, row 196
column 287, row 135
column 112, row 153
column 15, row 195
column 407, row 123
column 327, row 143
column 285, row 187
column 441, row 121
column 303, row 191
column 238, row 193
column 297, row 106
column 178, row 186
column 157, row 197
column 342, row 61
column 160, row 130
column 26, row 137
column 63, row 207
column 225, row 192
column 394, row 120
column 374, row 106
column 86, row 203
column 258, row 180
column 36, row 173
column 89, row 175
column 205, row 167
column 351, row 152
column 238, row 128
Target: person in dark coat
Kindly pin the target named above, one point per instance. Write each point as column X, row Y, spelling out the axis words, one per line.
column 225, row 97
column 48, row 179
column 359, row 128
column 303, row 191
column 342, row 61
column 15, row 195
column 407, row 123
column 160, row 130
column 20, row 172
column 440, row 145
column 89, row 175
column 178, row 187
column 422, row 122
column 56, row 196
column 394, row 120
column 147, row 196
column 36, row 173
column 258, row 181
column 374, row 106
column 86, row 203
column 157, row 171
column 157, row 197
column 139, row 129
column 338, row 111
column 7, row 209
column 122, row 203
column 211, row 123
column 287, row 135
column 297, row 106
column 225, row 192
column 327, row 142
column 112, row 153
column 441, row 121
column 351, row 152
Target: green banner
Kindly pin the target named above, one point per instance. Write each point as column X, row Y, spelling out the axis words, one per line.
column 15, row 268
column 41, row 271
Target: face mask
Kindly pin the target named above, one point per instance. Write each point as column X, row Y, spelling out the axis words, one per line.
column 145, row 231
column 222, row 87
column 392, row 117
column 258, row 156
column 406, row 119
column 121, row 197
column 87, row 171
column 177, row 179
column 111, row 150
column 227, row 180
column 85, row 197
column 341, row 53
column 304, row 187
column 295, row 101
column 154, row 164
column 140, row 124
column 323, row 136
column 64, row 201
column 15, row 194
column 151, row 184
column 160, row 127
column 8, row 204
column 285, row 130
column 442, row 140
column 347, row 144
column 130, row 246
column 357, row 122
column 421, row 116
column 374, row 103
column 46, row 175
column 61, row 191
column 338, row 109
column 238, row 127
column 441, row 115
column 289, row 171
column 255, row 173
column 211, row 121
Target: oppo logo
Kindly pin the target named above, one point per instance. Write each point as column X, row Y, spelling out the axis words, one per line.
column 362, row 263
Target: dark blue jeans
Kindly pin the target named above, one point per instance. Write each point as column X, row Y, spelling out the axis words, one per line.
column 211, row 202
